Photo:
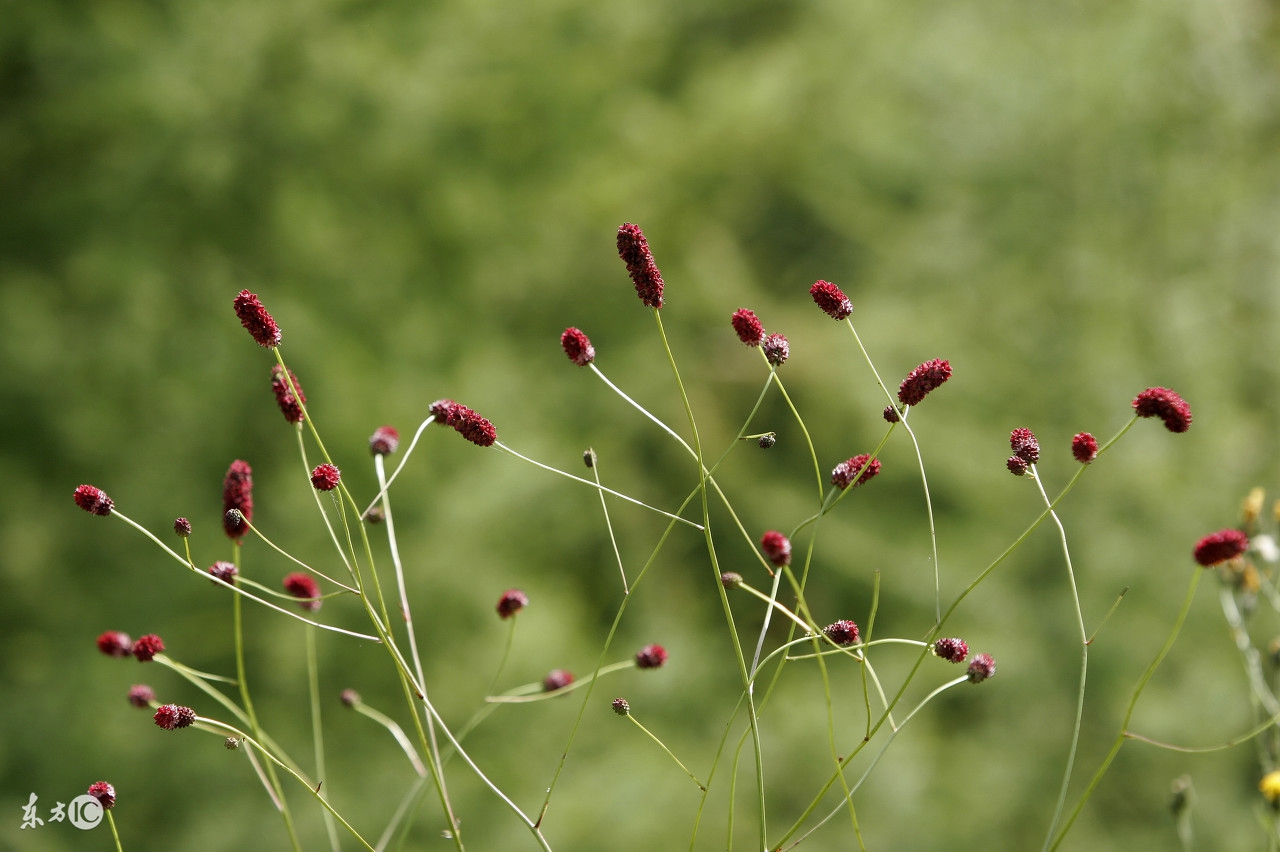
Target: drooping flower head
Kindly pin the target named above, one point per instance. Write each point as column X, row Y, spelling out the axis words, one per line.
column 923, row 379
column 224, row 571
column 465, row 422
column 301, row 585
column 651, row 657
column 556, row 679
column 1220, row 547
column 577, row 346
column 173, row 716
column 952, row 650
column 1084, row 447
column 237, row 493
column 325, row 477
column 748, row 327
column 831, row 299
column 113, row 643
column 256, row 320
column 182, row 527
column 93, row 500
column 290, row 405
column 1024, row 445
column 843, row 632
column 983, row 667
column 141, row 695
column 104, row 793
column 633, row 248
column 1165, row 404
column 511, row 602
column 146, row 648
column 776, row 349
column 776, row 547
column 843, row 474
column 384, row 441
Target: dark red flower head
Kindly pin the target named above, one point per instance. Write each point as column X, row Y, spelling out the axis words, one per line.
column 224, row 571
column 256, row 320
column 182, row 527
column 952, row 650
column 1017, row 465
column 620, row 706
column 577, row 346
column 776, row 547
column 302, row 586
column 923, row 379
column 290, row 405
column 93, row 500
column 651, row 657
column 831, row 299
column 325, row 477
column 511, row 602
column 172, row 716
column 471, row 426
column 1221, row 547
column 440, row 410
column 842, row 632
column 748, row 326
column 890, row 414
column 141, row 695
column 633, row 248
column 384, row 441
column 146, row 648
column 1024, row 445
column 237, row 493
column 776, row 349
column 104, row 793
column 983, row 667
column 556, row 679
column 843, row 474
column 1084, row 447
column 113, row 643
column 1165, row 404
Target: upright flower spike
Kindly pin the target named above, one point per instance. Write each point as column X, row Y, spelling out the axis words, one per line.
column 928, row 376
column 1165, row 404
column 982, row 668
column 776, row 349
column 1024, row 445
column 831, row 299
column 1219, row 547
column 633, row 248
column 113, row 643
column 651, row 657
column 384, row 441
column 237, row 493
column 577, row 346
column 173, row 716
column 290, row 405
column 1084, row 447
column 511, row 602
column 843, row 633
column 776, row 547
column 302, row 586
column 146, row 648
column 254, row 317
column 182, row 527
column 325, row 477
column 104, row 793
column 93, row 500
column 843, row 474
column 951, row 650
column 748, row 327
column 556, row 679
column 141, row 695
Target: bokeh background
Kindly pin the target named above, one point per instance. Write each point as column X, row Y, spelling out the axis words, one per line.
column 1070, row 201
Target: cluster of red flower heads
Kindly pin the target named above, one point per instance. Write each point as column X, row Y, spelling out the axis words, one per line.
column 466, row 422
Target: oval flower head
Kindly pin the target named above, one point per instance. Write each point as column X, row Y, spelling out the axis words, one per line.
column 928, row 376
column 843, row 475
column 1220, row 547
column 577, row 346
column 254, row 317
column 748, row 327
column 1165, row 404
column 633, row 248
column 831, row 299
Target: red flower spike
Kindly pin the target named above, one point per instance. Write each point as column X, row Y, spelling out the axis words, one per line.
column 237, row 493
column 384, row 441
column 1221, row 546
column 441, row 409
column 982, row 668
column 141, row 695
column 577, row 346
column 325, row 477
column 651, row 657
column 93, row 500
column 951, row 650
column 302, row 586
column 921, row 380
column 290, row 405
column 1024, row 445
column 831, row 299
column 104, row 793
column 890, row 414
column 748, row 327
column 256, row 320
column 1165, row 404
column 843, row 633
column 173, row 716
column 113, row 643
column 1084, row 447
column 182, row 527
column 224, row 571
column 146, row 648
column 843, row 474
column 776, row 349
column 1017, row 465
column 633, row 248
column 776, row 547
column 472, row 426
column 556, row 679
column 511, row 602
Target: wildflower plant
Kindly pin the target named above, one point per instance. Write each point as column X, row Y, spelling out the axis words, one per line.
column 774, row 628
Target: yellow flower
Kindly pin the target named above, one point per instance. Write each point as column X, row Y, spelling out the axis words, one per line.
column 1270, row 786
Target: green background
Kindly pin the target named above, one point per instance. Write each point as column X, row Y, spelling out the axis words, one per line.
column 1070, row 201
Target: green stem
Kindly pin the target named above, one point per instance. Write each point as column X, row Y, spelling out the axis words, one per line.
column 115, row 835
column 317, row 732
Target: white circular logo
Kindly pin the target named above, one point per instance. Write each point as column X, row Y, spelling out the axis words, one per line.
column 85, row 812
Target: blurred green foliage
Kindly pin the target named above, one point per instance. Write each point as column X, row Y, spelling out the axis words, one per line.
column 1071, row 201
